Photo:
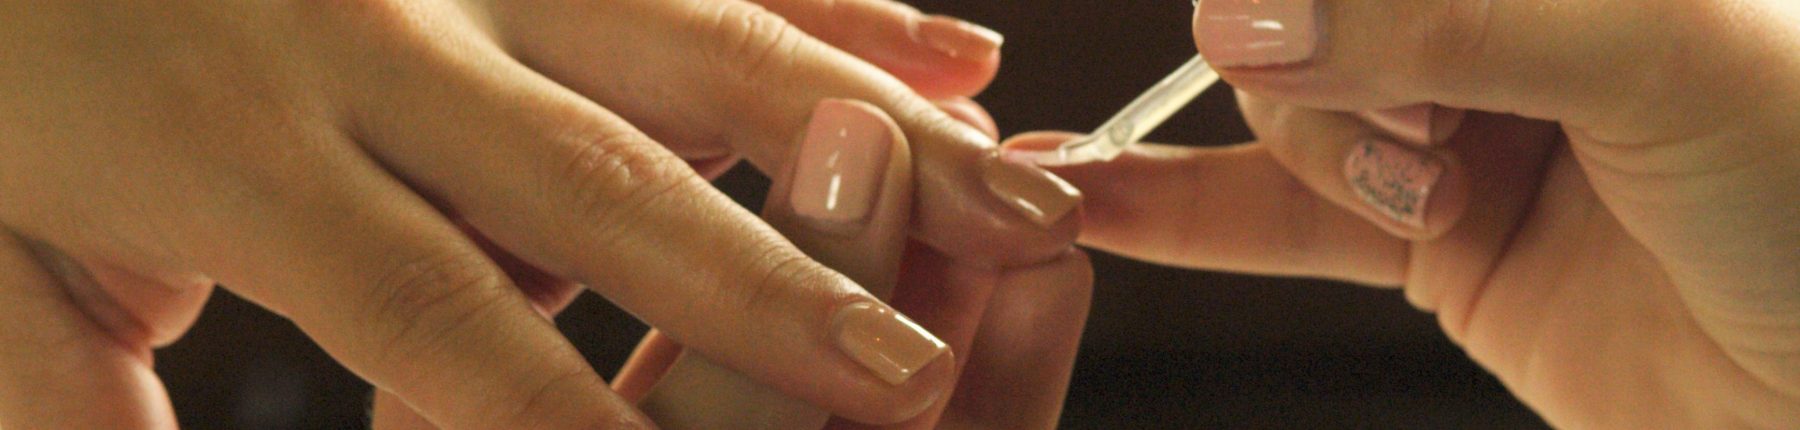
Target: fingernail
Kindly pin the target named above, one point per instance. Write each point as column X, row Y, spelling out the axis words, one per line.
column 1032, row 152
column 1235, row 33
column 958, row 39
column 1411, row 124
column 884, row 341
column 1419, row 124
column 1038, row 194
column 1021, row 155
column 968, row 112
column 1392, row 179
column 842, row 160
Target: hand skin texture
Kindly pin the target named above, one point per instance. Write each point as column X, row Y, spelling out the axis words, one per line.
column 409, row 181
column 1018, row 329
column 1599, row 200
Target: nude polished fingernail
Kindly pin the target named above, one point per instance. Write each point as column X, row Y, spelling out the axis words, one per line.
column 1395, row 180
column 956, row 38
column 1417, row 124
column 1408, row 123
column 1233, row 33
column 1038, row 194
column 884, row 341
column 842, row 160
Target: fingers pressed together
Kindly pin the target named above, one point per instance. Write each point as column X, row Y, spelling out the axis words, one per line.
column 380, row 174
column 852, row 216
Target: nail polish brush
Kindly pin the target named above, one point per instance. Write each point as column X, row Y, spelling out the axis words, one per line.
column 1134, row 122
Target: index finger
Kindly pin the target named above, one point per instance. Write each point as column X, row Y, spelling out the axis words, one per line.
column 938, row 56
column 389, row 287
column 826, row 206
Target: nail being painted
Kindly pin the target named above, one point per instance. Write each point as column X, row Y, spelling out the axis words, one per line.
column 837, row 179
column 1136, row 120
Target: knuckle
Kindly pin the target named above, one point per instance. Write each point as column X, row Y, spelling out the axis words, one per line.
column 615, row 178
column 779, row 271
column 420, row 304
column 548, row 397
column 400, row 36
column 748, row 39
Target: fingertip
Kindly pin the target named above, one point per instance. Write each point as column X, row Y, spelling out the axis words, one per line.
column 959, row 39
column 1090, row 178
column 1410, row 124
column 1449, row 201
column 713, row 168
column 1042, row 197
column 1195, row 26
column 946, row 56
column 958, row 79
column 1422, row 124
column 929, row 387
column 1036, row 140
column 937, row 56
column 1445, row 122
column 1415, row 193
column 978, row 209
column 969, row 112
column 652, row 359
column 935, row 383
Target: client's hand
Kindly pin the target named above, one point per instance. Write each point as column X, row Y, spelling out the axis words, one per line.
column 1630, row 259
column 1016, row 329
column 366, row 168
column 847, row 202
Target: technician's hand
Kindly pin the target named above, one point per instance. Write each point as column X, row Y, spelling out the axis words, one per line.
column 318, row 158
column 1629, row 260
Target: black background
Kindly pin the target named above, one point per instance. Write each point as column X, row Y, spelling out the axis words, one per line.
column 1165, row 348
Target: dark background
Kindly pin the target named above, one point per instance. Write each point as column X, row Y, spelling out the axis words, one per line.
column 1165, row 348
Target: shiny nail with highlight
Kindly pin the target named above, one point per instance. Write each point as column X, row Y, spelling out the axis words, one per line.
column 1237, row 33
column 887, row 343
column 960, row 39
column 842, row 159
column 1034, row 192
column 1392, row 179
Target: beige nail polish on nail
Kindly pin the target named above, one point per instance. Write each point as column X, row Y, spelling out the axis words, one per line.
column 842, row 159
column 884, row 341
column 1236, row 33
column 958, row 39
column 1420, row 124
column 1396, row 181
column 1036, row 193
column 1411, row 124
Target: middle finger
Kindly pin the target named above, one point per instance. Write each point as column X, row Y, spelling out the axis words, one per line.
column 701, row 74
